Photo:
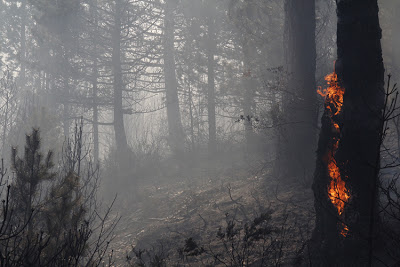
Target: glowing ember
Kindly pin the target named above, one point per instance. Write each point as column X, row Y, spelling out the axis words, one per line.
column 344, row 230
column 338, row 194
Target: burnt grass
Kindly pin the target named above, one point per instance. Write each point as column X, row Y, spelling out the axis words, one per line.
column 205, row 216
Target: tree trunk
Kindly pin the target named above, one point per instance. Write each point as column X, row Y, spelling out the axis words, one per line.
column 249, row 88
column 300, row 109
column 22, row 78
column 346, row 238
column 95, row 88
column 119, row 127
column 396, row 43
column 211, row 50
column 175, row 130
column 191, row 110
column 95, row 116
column 66, row 108
column 6, row 111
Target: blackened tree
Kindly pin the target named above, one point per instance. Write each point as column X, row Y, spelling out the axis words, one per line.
column 346, row 177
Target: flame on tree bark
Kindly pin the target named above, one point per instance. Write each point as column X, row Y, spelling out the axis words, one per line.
column 360, row 72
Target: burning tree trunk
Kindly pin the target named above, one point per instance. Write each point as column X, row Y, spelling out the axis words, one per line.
column 346, row 176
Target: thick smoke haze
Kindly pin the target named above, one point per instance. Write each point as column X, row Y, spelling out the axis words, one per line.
column 191, row 133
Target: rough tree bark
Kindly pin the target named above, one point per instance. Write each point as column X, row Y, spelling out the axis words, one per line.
column 175, row 129
column 361, row 73
column 299, row 142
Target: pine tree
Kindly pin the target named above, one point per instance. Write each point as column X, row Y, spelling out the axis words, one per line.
column 53, row 210
column 64, row 218
column 30, row 171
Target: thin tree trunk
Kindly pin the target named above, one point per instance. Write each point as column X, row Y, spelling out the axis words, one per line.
column 248, row 92
column 396, row 43
column 345, row 238
column 119, row 127
column 191, row 115
column 212, row 46
column 95, row 116
column 22, row 80
column 3, row 148
column 190, row 97
column 175, row 129
column 95, row 87
column 66, row 109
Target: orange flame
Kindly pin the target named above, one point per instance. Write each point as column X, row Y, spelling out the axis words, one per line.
column 337, row 192
column 333, row 94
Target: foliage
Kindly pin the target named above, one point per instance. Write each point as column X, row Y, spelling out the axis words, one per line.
column 50, row 217
column 30, row 171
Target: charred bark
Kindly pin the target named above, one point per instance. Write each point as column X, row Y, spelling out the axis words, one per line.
column 300, row 109
column 360, row 71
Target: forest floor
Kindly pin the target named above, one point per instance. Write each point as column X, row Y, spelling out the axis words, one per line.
column 162, row 214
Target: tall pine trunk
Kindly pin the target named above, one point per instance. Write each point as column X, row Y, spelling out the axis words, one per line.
column 22, row 78
column 361, row 73
column 95, row 75
column 396, row 42
column 119, row 127
column 249, row 88
column 299, row 142
column 66, row 107
column 175, row 129
column 95, row 114
column 212, row 47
